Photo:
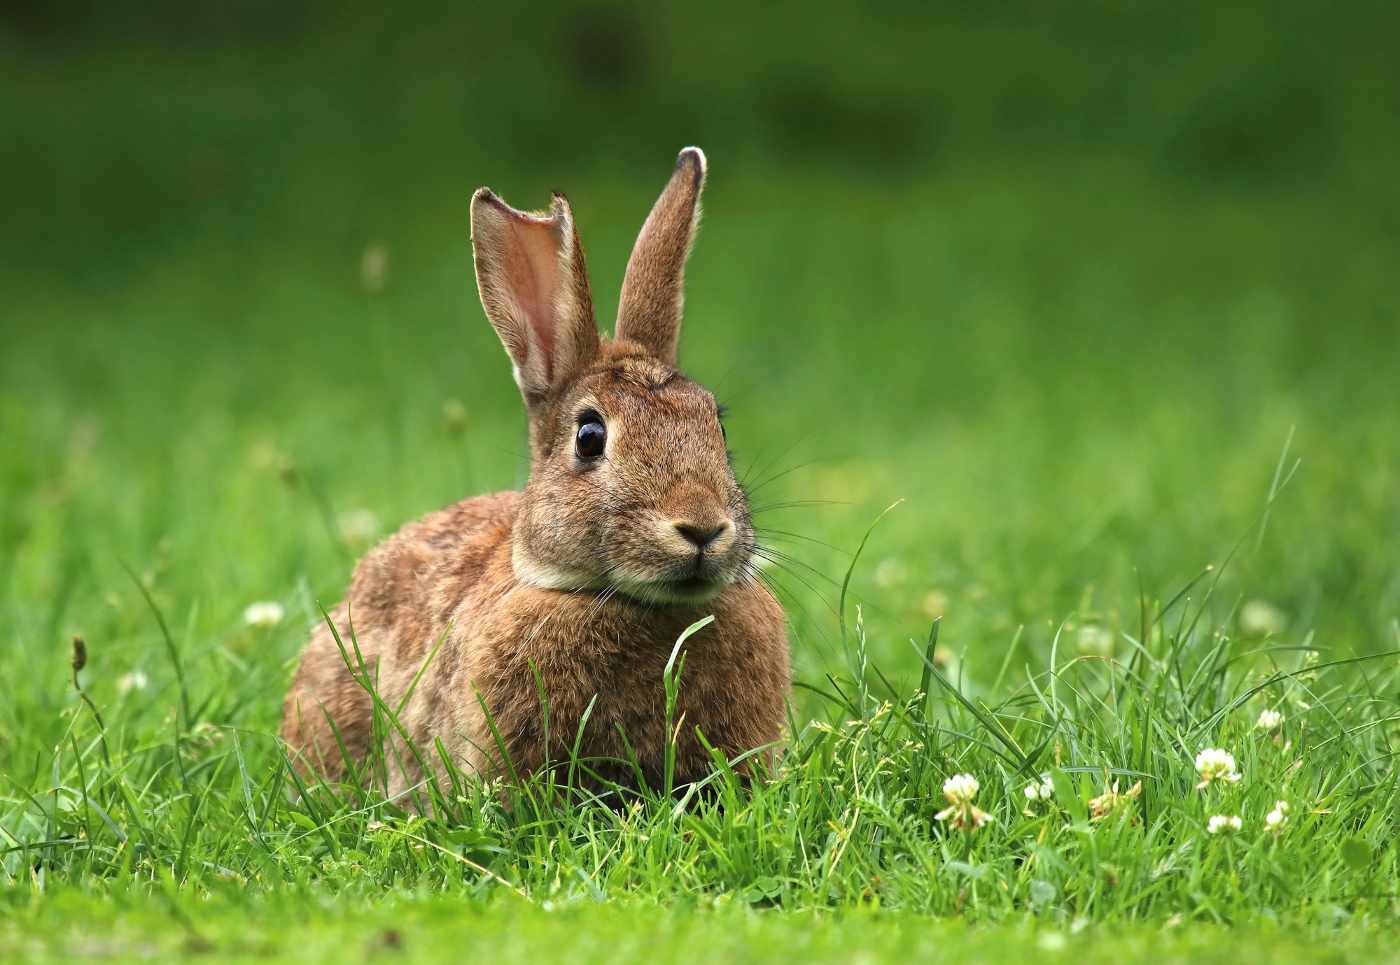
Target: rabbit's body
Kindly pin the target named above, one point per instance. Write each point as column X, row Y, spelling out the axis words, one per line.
column 449, row 577
column 732, row 687
column 575, row 591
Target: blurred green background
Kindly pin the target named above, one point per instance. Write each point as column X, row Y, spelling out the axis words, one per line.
column 1062, row 276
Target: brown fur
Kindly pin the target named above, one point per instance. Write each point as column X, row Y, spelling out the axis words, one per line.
column 578, row 587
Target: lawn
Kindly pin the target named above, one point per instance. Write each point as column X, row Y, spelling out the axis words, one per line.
column 1131, row 395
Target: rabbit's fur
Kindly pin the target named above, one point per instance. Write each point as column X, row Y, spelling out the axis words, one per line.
column 577, row 588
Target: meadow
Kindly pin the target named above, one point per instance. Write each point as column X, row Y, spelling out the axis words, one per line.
column 1072, row 425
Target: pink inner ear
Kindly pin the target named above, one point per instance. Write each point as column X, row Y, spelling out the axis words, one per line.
column 532, row 272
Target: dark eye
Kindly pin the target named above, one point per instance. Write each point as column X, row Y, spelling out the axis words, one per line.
column 591, row 437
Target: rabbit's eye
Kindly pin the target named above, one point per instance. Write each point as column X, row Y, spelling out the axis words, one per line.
column 591, row 437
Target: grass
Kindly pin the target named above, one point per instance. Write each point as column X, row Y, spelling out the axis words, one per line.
column 432, row 926
column 1136, row 406
column 165, row 825
column 172, row 843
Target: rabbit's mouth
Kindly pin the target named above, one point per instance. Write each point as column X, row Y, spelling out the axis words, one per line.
column 695, row 579
column 693, row 586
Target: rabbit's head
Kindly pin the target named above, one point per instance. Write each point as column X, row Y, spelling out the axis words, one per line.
column 630, row 485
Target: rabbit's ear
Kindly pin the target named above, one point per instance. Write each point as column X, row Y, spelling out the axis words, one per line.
column 534, row 287
column 650, row 308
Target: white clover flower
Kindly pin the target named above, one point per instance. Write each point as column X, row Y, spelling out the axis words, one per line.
column 266, row 613
column 1041, row 790
column 358, row 525
column 961, row 813
column 454, row 415
column 890, row 572
column 1222, row 822
column 1278, row 817
column 961, row 788
column 374, row 267
column 935, row 604
column 1261, row 619
column 135, row 680
column 1094, row 639
column 1269, row 719
column 1214, row 764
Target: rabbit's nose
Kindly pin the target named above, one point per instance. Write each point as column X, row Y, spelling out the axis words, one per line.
column 701, row 536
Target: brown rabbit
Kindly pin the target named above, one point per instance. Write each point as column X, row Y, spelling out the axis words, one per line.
column 631, row 527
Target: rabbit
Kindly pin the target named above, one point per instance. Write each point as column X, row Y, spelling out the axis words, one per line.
column 517, row 610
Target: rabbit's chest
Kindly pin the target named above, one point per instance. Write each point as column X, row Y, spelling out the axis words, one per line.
column 607, row 703
column 555, row 677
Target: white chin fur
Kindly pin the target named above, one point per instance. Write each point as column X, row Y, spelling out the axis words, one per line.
column 546, row 576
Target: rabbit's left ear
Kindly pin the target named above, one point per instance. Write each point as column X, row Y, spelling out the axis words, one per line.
column 650, row 308
column 534, row 287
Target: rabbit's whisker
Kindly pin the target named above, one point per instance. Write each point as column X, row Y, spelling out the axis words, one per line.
column 771, row 533
column 795, row 503
column 801, row 579
column 779, row 558
column 750, row 490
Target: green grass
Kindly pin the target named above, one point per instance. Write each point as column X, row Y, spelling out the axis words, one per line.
column 1092, row 355
column 1061, row 505
column 431, row 926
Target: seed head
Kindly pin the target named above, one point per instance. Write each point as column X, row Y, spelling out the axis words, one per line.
column 1112, row 799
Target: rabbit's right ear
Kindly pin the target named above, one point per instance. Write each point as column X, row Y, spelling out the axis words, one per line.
column 534, row 287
